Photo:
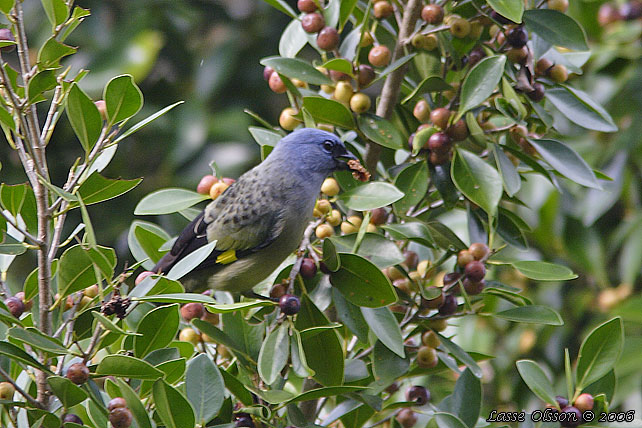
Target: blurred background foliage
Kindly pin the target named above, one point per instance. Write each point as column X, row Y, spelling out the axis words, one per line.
column 207, row 53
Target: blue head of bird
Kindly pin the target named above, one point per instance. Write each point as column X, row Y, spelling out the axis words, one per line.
column 313, row 151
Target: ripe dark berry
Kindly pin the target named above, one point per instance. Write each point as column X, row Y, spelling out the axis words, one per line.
column 440, row 117
column 308, row 268
column 458, row 131
column 449, row 306
column 561, row 401
column 475, row 271
column 337, row 75
column 584, row 402
column 433, row 14
column 328, row 39
column 78, row 373
column 382, row 9
column 517, row 37
column 379, row 56
column 289, row 304
column 120, row 417
column 15, row 305
column 472, row 287
column 411, row 259
column 451, row 278
column 312, row 22
column 116, row 402
column 243, row 420
column 537, row 94
column 6, row 34
column 365, row 75
column 70, row 417
column 192, row 310
column 570, row 417
column 407, row 418
column 392, row 388
column 631, row 10
column 267, row 72
column 378, row 216
column 439, row 158
column 479, row 250
column 475, row 56
column 418, row 394
column 439, row 142
column 435, row 302
column 277, row 291
column 607, row 14
column 306, row 6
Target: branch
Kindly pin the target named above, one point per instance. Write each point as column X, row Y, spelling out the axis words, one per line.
column 15, row 225
column 391, row 87
column 20, row 391
column 301, row 251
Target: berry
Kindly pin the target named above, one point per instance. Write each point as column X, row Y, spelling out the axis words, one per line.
column 584, row 402
column 324, row 231
column 542, row 66
column 366, row 40
column 276, row 84
column 323, row 206
column 403, row 284
column 289, row 304
column 558, row 73
column 227, row 180
column 102, row 108
column 334, row 219
column 439, row 158
column 70, row 417
column 91, row 291
column 430, row 339
column 308, row 268
column 472, row 287
column 347, row 227
column 558, row 5
column 561, row 401
column 7, row 35
column 243, row 420
column 439, row 142
column 476, row 29
column 15, row 305
column 192, row 310
column 440, row 117
column 277, row 291
column 475, row 271
column 378, row 216
column 433, row 14
column 517, row 55
column 365, row 75
column 206, row 184
column 412, row 259
column 330, row 187
column 517, row 37
column 393, row 273
column 287, row 119
column 631, row 10
column 189, row 335
column 306, row 6
column 475, row 56
column 392, row 388
column 427, row 357
column 449, row 306
column 537, row 94
column 328, row 39
column 428, row 42
column 421, row 111
column 418, row 394
column 570, row 417
column 28, row 303
column 267, row 72
column 78, row 373
column 382, row 9
column 432, row 303
column 217, row 189
column 607, row 14
column 120, row 417
column 407, row 418
column 379, row 56
column 312, row 22
column 6, row 391
column 479, row 250
column 458, row 131
column 460, row 28
column 360, row 103
column 438, row 325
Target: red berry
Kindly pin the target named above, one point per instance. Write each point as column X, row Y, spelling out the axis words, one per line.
column 78, row 373
column 206, row 184
column 7, row 35
column 407, row 418
column 192, row 310
column 472, row 287
column 289, row 304
column 449, row 306
column 267, row 72
column 312, row 22
column 475, row 271
column 120, row 417
column 440, row 117
column 15, row 305
column 328, row 39
column 451, row 278
column 584, row 402
column 418, row 394
column 306, row 6
column 116, row 402
column 439, row 142
column 142, row 276
column 432, row 14
column 379, row 56
column 70, row 417
column 308, row 268
column 365, row 75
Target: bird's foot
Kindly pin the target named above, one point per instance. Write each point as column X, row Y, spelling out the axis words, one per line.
column 254, row 295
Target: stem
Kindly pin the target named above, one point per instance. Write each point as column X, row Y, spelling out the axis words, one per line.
column 301, row 251
column 20, row 391
column 392, row 85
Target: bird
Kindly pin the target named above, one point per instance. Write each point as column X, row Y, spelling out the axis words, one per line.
column 261, row 218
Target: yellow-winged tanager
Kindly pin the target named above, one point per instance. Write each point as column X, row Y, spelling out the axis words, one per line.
column 260, row 219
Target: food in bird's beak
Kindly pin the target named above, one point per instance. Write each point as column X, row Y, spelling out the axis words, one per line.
column 358, row 171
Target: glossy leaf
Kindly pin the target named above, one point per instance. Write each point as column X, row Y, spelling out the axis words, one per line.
column 282, row 6
column 11, row 351
column 413, row 181
column 374, row 247
column 370, row 196
column 34, row 338
column 387, row 365
column 41, row 82
column 84, row 117
column 508, row 172
column 77, row 267
column 350, row 315
column 384, row 325
column 97, row 188
column 126, row 366
column 461, row 355
column 204, row 387
column 412, row 230
column 67, row 392
column 362, row 283
column 297, row 68
column 511, row 9
column 448, row 420
column 52, row 52
column 536, row 380
column 123, row 98
column 6, row 5
column 265, row 137
column 557, row 28
column 481, row 82
column 543, row 271
column 274, row 354
column 146, row 121
column 167, row 201
column 56, row 11
column 135, row 405
column 172, row 407
column 477, row 180
column 465, row 401
column 157, row 329
column 580, row 108
column 599, row 352
column 144, row 241
column 429, row 84
column 566, row 161
column 178, row 298
column 531, row 314
column 380, row 130
column 190, row 261
column 329, row 111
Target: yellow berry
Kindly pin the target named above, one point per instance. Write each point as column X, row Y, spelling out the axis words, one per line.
column 330, row 187
column 334, row 219
column 460, row 28
column 324, row 231
column 287, row 119
column 91, row 291
column 347, row 228
column 360, row 103
column 343, row 92
column 324, row 206
column 371, row 228
column 217, row 189
column 422, row 267
column 189, row 335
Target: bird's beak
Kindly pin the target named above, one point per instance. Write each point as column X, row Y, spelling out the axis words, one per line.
column 342, row 160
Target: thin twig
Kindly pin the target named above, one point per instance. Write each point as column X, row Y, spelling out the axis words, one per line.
column 15, row 225
column 301, row 251
column 20, row 391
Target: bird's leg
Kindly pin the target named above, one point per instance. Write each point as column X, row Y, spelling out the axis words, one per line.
column 254, row 295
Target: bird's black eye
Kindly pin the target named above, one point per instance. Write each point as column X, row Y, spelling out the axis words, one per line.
column 328, row 145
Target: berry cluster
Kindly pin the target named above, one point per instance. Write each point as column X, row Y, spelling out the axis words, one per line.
column 582, row 403
column 472, row 261
column 196, row 310
column 420, row 396
column 442, row 134
column 119, row 414
column 17, row 304
column 611, row 12
column 213, row 186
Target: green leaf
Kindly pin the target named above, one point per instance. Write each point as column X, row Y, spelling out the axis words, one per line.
column 282, row 6
column 123, row 98
column 6, row 5
column 395, row 65
column 12, row 352
column 445, row 237
column 323, row 351
column 536, row 380
column 20, row 199
column 429, row 84
column 508, row 172
column 465, row 401
column 51, row 52
column 412, row 230
column 370, row 196
column 543, row 271
column 6, row 119
column 347, row 6
column 413, row 181
column 329, row 111
column 531, row 314
column 204, row 387
column 330, row 256
column 511, row 9
column 97, row 188
column 265, row 137
column 380, row 130
column 167, row 201
column 33, row 337
column 461, row 355
column 477, row 180
column 41, row 82
column 157, row 329
column 566, row 161
column 329, row 391
column 135, row 405
column 174, row 410
column 362, row 283
column 388, row 366
column 374, row 247
column 481, row 83
column 297, row 69
column 67, row 392
column 146, row 121
column 599, row 352
column 109, row 325
column 126, row 366
column 384, row 325
column 77, row 268
column 56, row 11
column 293, row 39
column 84, row 117
column 190, row 261
column 224, row 308
column 339, row 64
column 144, row 241
column 448, row 420
column 177, row 298
column 274, row 354
column 557, row 28
column 580, row 108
